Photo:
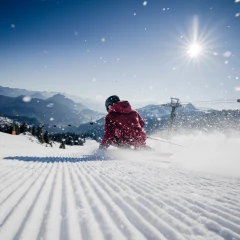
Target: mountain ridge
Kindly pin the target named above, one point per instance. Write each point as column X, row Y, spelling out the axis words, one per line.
column 50, row 111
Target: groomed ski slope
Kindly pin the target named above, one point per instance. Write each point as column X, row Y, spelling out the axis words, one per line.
column 50, row 193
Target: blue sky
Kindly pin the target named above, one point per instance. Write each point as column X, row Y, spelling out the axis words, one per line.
column 138, row 51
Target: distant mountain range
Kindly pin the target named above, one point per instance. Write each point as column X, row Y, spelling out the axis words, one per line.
column 57, row 109
column 158, row 111
column 59, row 113
column 16, row 92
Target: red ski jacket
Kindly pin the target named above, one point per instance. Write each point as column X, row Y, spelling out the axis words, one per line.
column 123, row 127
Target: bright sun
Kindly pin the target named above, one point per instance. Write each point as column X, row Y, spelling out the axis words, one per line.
column 194, row 50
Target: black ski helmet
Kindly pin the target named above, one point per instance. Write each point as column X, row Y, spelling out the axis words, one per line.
column 111, row 100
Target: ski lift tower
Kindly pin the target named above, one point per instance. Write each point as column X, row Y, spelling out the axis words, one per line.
column 174, row 104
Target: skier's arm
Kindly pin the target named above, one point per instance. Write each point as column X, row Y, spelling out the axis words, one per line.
column 109, row 132
column 142, row 123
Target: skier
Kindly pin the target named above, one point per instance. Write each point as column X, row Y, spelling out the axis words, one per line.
column 123, row 126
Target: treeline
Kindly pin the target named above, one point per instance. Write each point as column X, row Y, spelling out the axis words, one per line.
column 73, row 138
column 17, row 129
column 69, row 138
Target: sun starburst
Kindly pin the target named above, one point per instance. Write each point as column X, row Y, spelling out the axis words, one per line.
column 194, row 50
column 196, row 45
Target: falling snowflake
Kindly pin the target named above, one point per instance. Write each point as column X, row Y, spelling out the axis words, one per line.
column 12, row 25
column 226, row 62
column 51, row 119
column 227, row 54
column 26, row 99
column 237, row 14
column 164, row 9
column 237, row 78
column 236, row 1
column 237, row 89
column 145, row 3
column 181, row 36
column 103, row 40
column 50, row 105
column 94, row 80
column 134, row 14
column 215, row 54
column 76, row 33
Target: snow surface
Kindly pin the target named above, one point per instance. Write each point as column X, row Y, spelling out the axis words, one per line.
column 52, row 193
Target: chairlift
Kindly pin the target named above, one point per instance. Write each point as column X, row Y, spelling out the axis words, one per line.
column 54, row 126
column 69, row 125
column 91, row 122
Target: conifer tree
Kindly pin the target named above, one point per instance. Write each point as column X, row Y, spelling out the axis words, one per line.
column 17, row 129
column 23, row 128
column 33, row 130
column 46, row 137
column 40, row 134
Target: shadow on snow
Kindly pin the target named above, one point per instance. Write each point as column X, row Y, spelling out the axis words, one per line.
column 83, row 158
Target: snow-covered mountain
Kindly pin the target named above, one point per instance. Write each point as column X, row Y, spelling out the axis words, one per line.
column 211, row 120
column 159, row 111
column 15, row 92
column 87, row 102
column 55, row 110
column 51, row 193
